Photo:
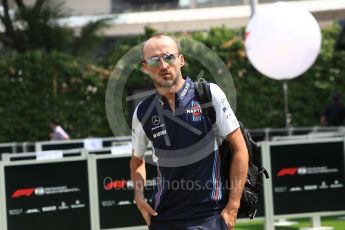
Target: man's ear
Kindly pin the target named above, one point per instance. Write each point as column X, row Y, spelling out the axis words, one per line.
column 144, row 68
column 181, row 58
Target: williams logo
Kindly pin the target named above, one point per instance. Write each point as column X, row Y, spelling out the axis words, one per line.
column 195, row 111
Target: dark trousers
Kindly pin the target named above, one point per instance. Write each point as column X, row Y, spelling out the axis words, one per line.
column 211, row 223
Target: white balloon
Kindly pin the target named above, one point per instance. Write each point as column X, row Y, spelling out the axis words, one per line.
column 282, row 40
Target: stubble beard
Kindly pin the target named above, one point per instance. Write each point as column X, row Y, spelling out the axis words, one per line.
column 166, row 84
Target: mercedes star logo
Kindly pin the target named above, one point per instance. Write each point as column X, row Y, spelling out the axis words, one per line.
column 155, row 120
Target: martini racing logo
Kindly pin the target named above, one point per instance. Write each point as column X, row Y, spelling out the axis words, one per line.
column 196, row 111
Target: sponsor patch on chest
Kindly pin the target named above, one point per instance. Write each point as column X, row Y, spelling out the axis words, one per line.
column 195, row 111
column 160, row 133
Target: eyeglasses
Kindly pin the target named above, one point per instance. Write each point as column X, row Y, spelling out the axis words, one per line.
column 155, row 60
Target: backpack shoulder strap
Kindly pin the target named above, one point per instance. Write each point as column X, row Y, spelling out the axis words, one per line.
column 202, row 90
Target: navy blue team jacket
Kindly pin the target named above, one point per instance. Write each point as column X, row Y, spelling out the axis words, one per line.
column 189, row 184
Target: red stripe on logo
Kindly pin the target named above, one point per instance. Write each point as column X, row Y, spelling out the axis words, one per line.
column 23, row 192
column 287, row 171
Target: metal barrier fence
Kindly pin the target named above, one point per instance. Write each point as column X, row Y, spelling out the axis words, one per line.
column 91, row 189
column 266, row 134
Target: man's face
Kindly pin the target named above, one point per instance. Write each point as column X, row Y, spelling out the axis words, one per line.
column 166, row 72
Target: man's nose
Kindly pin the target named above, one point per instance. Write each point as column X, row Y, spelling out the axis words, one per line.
column 163, row 64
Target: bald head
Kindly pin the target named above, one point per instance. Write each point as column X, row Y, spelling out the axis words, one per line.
column 166, row 72
column 155, row 43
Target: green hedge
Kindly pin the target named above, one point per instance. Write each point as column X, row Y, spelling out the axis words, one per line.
column 36, row 86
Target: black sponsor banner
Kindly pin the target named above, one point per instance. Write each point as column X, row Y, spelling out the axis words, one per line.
column 62, row 146
column 308, row 177
column 45, row 196
column 115, row 191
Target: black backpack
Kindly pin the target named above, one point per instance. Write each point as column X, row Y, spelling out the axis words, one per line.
column 253, row 185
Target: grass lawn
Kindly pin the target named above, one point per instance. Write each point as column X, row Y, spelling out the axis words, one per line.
column 338, row 224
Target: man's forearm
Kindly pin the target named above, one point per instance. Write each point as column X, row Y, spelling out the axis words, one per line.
column 138, row 183
column 238, row 176
column 138, row 177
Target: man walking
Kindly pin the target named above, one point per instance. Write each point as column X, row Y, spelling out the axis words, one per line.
column 173, row 122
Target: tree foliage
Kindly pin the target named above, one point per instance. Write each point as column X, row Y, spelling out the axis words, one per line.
column 37, row 85
column 260, row 100
column 29, row 27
